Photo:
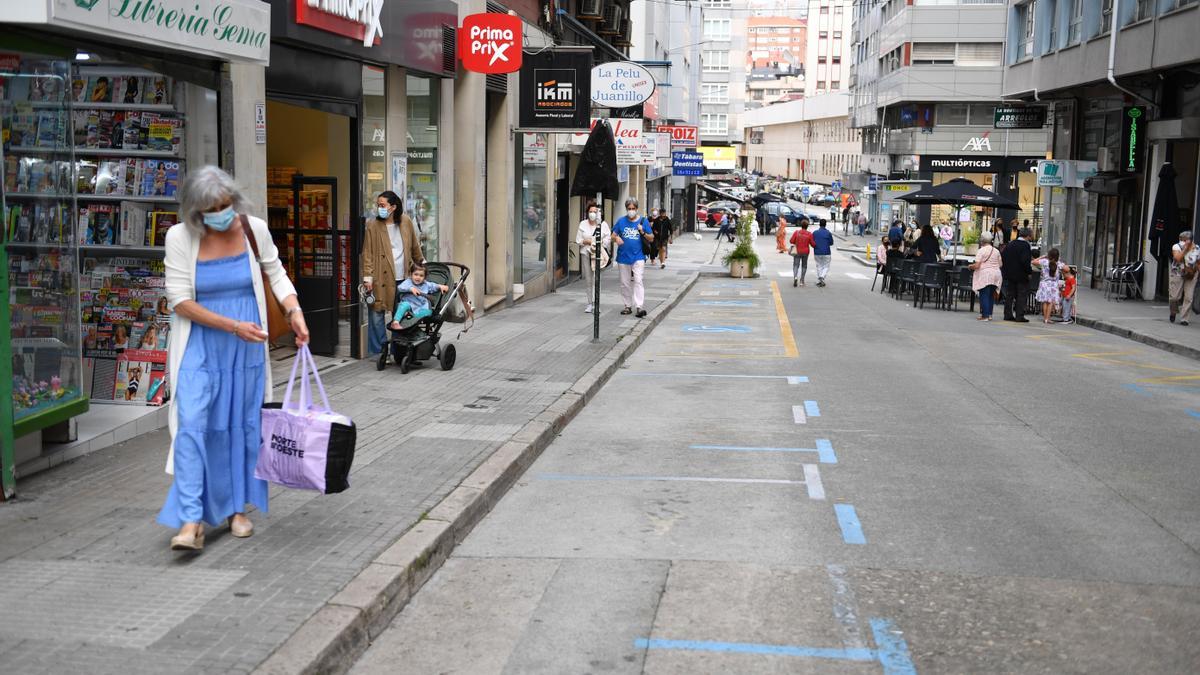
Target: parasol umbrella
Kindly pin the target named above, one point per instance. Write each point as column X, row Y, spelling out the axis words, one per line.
column 597, row 176
column 1164, row 220
column 959, row 192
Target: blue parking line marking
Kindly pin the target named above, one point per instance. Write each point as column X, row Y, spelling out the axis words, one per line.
column 824, row 450
column 1138, row 389
column 811, row 408
column 848, row 520
column 1193, row 413
column 861, row 654
column 727, row 303
column 706, row 328
column 893, row 650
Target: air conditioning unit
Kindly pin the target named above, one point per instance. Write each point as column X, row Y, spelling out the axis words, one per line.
column 612, row 20
column 592, row 10
column 1106, row 159
column 624, row 38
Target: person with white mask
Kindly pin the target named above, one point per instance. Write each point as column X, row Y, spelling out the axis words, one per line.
column 585, row 238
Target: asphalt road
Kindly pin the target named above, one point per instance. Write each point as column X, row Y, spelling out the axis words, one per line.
column 793, row 480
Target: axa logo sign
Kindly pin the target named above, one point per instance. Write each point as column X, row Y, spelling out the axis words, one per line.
column 979, row 143
column 490, row 43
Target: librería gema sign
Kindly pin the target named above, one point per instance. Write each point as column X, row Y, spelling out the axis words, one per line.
column 621, row 84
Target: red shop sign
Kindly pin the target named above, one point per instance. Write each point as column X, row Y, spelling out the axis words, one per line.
column 490, row 43
column 359, row 21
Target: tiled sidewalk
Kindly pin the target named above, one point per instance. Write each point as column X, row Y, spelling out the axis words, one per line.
column 90, row 585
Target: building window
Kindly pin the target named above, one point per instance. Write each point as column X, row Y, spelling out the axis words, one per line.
column 1075, row 25
column 717, row 29
column 820, row 86
column 1052, row 44
column 714, row 123
column 980, row 53
column 1145, row 9
column 715, row 61
column 892, row 61
column 834, row 84
column 421, row 198
column 1105, row 16
column 718, row 3
column 820, row 59
column 714, row 93
column 952, row 114
column 1025, row 14
column 933, row 53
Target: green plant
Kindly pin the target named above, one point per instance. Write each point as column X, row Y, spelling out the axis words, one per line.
column 970, row 237
column 744, row 247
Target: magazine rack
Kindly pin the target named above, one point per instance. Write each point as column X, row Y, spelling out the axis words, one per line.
column 40, row 336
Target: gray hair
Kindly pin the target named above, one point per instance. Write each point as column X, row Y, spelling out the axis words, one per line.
column 631, row 202
column 985, row 237
column 1185, row 234
column 204, row 188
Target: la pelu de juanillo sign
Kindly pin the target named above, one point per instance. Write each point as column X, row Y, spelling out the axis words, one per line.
column 228, row 29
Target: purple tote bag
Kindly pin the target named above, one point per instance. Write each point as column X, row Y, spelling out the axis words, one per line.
column 305, row 445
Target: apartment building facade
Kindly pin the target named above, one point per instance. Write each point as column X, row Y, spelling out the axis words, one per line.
column 723, row 71
column 1121, row 77
column 809, row 139
column 926, row 81
column 828, row 50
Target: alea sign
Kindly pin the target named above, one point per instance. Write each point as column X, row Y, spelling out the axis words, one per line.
column 490, row 43
column 621, row 84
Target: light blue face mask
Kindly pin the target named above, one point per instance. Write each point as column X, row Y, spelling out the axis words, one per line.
column 219, row 220
column 383, row 213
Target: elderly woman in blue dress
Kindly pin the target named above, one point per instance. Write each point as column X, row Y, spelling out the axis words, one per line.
column 217, row 356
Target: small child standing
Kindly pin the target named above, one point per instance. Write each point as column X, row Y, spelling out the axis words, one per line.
column 1068, row 296
column 412, row 299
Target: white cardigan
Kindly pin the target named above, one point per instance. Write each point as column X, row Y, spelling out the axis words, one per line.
column 182, row 252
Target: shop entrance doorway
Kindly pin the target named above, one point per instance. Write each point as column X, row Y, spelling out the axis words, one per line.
column 310, row 202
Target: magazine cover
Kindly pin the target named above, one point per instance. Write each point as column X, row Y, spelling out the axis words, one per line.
column 156, row 90
column 109, row 178
column 23, row 129
column 131, row 131
column 101, row 90
column 85, row 177
column 79, row 90
column 104, row 137
column 161, row 221
column 100, row 228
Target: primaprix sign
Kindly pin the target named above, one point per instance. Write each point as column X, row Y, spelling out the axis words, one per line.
column 683, row 135
column 358, row 19
column 490, row 43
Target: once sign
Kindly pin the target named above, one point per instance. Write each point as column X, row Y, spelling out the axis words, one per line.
column 490, row 43
column 621, row 84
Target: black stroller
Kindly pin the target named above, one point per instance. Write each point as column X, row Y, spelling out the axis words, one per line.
column 418, row 338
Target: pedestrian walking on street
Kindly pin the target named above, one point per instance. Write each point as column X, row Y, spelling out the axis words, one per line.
column 801, row 246
column 1182, row 274
column 781, row 238
column 585, row 239
column 628, row 234
column 823, row 250
column 1016, row 259
column 217, row 356
column 862, row 224
column 726, row 226
column 661, row 226
column 1050, row 285
column 987, row 278
column 390, row 247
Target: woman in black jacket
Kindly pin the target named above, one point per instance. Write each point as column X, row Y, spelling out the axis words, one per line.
column 928, row 245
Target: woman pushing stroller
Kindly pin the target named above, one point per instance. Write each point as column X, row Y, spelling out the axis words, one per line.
column 413, row 301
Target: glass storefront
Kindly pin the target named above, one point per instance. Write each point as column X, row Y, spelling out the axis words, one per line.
column 531, row 216
column 374, row 139
column 421, row 193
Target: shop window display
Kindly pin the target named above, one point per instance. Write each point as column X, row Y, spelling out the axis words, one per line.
column 421, row 194
column 532, row 217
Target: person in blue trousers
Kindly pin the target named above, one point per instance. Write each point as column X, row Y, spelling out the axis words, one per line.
column 217, row 356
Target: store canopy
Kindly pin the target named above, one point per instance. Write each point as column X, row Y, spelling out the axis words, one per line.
column 1164, row 220
column 765, row 197
column 960, row 192
column 597, row 172
column 721, row 193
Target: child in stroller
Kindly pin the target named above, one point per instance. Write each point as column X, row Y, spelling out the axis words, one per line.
column 413, row 301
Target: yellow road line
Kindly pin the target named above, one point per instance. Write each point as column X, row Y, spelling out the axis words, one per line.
column 785, row 326
column 1103, row 358
column 1170, row 379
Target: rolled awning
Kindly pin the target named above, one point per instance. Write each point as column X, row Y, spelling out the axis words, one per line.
column 1112, row 184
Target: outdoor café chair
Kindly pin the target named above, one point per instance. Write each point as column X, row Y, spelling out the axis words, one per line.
column 961, row 280
column 932, row 280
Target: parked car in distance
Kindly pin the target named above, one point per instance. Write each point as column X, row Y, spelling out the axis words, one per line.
column 790, row 214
